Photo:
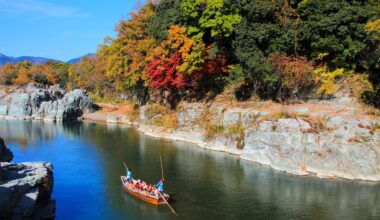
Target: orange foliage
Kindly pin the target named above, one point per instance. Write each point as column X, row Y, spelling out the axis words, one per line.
column 373, row 29
column 125, row 56
column 24, row 77
column 7, row 73
column 296, row 73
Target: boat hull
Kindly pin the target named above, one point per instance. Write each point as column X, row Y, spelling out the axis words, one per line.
column 142, row 195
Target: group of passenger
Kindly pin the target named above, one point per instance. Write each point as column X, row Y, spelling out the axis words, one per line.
column 149, row 188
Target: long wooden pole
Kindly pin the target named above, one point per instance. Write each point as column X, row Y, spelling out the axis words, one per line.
column 125, row 166
column 171, row 208
column 162, row 169
column 167, row 203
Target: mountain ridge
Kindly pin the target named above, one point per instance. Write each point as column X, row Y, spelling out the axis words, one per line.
column 37, row 60
column 78, row 59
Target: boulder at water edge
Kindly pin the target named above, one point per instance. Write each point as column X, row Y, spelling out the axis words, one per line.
column 25, row 188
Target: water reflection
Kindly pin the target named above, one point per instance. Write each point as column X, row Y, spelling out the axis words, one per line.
column 88, row 162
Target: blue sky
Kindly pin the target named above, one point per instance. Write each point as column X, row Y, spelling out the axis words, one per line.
column 58, row 29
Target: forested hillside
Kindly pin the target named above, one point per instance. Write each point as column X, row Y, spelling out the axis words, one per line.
column 172, row 50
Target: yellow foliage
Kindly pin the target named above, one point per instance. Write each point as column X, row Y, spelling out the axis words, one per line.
column 125, row 55
column 191, row 52
column 24, row 77
column 355, row 83
column 358, row 83
column 373, row 29
column 84, row 74
column 326, row 80
column 321, row 56
column 49, row 71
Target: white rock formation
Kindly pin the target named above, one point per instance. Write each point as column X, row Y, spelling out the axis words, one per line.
column 304, row 143
column 51, row 104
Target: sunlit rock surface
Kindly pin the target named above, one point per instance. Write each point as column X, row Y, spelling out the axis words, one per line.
column 52, row 104
column 332, row 139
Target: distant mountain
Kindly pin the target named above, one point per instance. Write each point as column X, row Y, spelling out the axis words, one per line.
column 35, row 60
column 77, row 60
column 4, row 59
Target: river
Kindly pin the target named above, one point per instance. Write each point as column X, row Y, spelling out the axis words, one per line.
column 87, row 159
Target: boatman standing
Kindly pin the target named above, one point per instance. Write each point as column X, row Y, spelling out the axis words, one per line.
column 1, row 175
column 129, row 176
column 160, row 186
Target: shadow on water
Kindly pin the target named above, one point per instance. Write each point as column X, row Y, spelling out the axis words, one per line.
column 88, row 158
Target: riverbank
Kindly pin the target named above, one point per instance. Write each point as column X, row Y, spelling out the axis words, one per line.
column 329, row 139
column 335, row 139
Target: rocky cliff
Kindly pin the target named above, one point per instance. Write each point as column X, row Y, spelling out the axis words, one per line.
column 327, row 139
column 25, row 188
column 53, row 103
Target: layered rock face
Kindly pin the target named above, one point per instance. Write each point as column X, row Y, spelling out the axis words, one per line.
column 25, row 189
column 332, row 139
column 347, row 148
column 298, row 140
column 53, row 103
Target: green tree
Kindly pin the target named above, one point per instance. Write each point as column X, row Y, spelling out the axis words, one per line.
column 372, row 28
column 332, row 31
column 214, row 18
column 254, row 37
column 168, row 13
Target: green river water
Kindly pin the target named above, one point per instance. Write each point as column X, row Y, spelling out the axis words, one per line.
column 88, row 158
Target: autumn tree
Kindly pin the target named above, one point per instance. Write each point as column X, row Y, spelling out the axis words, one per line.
column 165, row 75
column 125, row 55
column 187, row 48
column 80, row 74
column 56, row 72
column 182, row 65
column 172, row 64
column 296, row 75
column 24, row 75
column 7, row 73
column 373, row 28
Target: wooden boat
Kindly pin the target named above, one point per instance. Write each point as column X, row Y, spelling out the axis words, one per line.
column 140, row 194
